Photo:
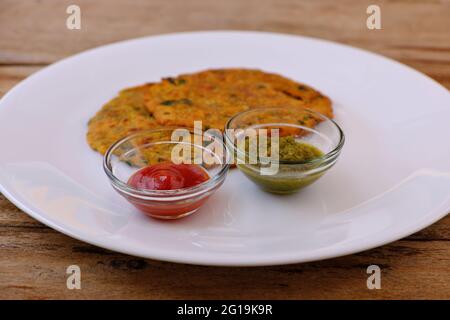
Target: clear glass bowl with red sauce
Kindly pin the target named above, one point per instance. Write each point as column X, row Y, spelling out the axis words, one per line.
column 167, row 177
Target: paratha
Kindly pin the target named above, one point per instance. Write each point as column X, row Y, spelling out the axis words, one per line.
column 214, row 96
column 120, row 117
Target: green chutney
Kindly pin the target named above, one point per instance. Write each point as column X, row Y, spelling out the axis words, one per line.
column 290, row 177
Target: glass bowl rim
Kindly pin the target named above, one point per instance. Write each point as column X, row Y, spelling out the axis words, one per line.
column 163, row 194
column 324, row 158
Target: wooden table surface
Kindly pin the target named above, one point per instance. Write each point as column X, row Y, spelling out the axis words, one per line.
column 34, row 258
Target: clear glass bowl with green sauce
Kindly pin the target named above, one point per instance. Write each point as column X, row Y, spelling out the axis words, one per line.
column 309, row 145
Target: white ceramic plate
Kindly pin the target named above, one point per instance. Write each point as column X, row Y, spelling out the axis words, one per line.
column 393, row 177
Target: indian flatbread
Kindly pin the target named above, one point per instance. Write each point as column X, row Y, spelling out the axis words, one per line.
column 123, row 115
column 214, row 96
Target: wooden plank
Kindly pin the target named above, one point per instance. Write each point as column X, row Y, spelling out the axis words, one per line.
column 12, row 75
column 34, row 261
column 35, row 32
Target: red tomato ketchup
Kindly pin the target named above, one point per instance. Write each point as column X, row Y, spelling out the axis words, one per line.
column 168, row 176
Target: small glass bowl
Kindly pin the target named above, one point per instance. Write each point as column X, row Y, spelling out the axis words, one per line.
column 147, row 147
column 305, row 126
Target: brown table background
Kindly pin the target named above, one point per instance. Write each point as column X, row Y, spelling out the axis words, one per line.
column 34, row 258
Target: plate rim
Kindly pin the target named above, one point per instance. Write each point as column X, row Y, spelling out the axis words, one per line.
column 280, row 259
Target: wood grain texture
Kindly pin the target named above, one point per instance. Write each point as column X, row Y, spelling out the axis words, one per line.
column 33, row 257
